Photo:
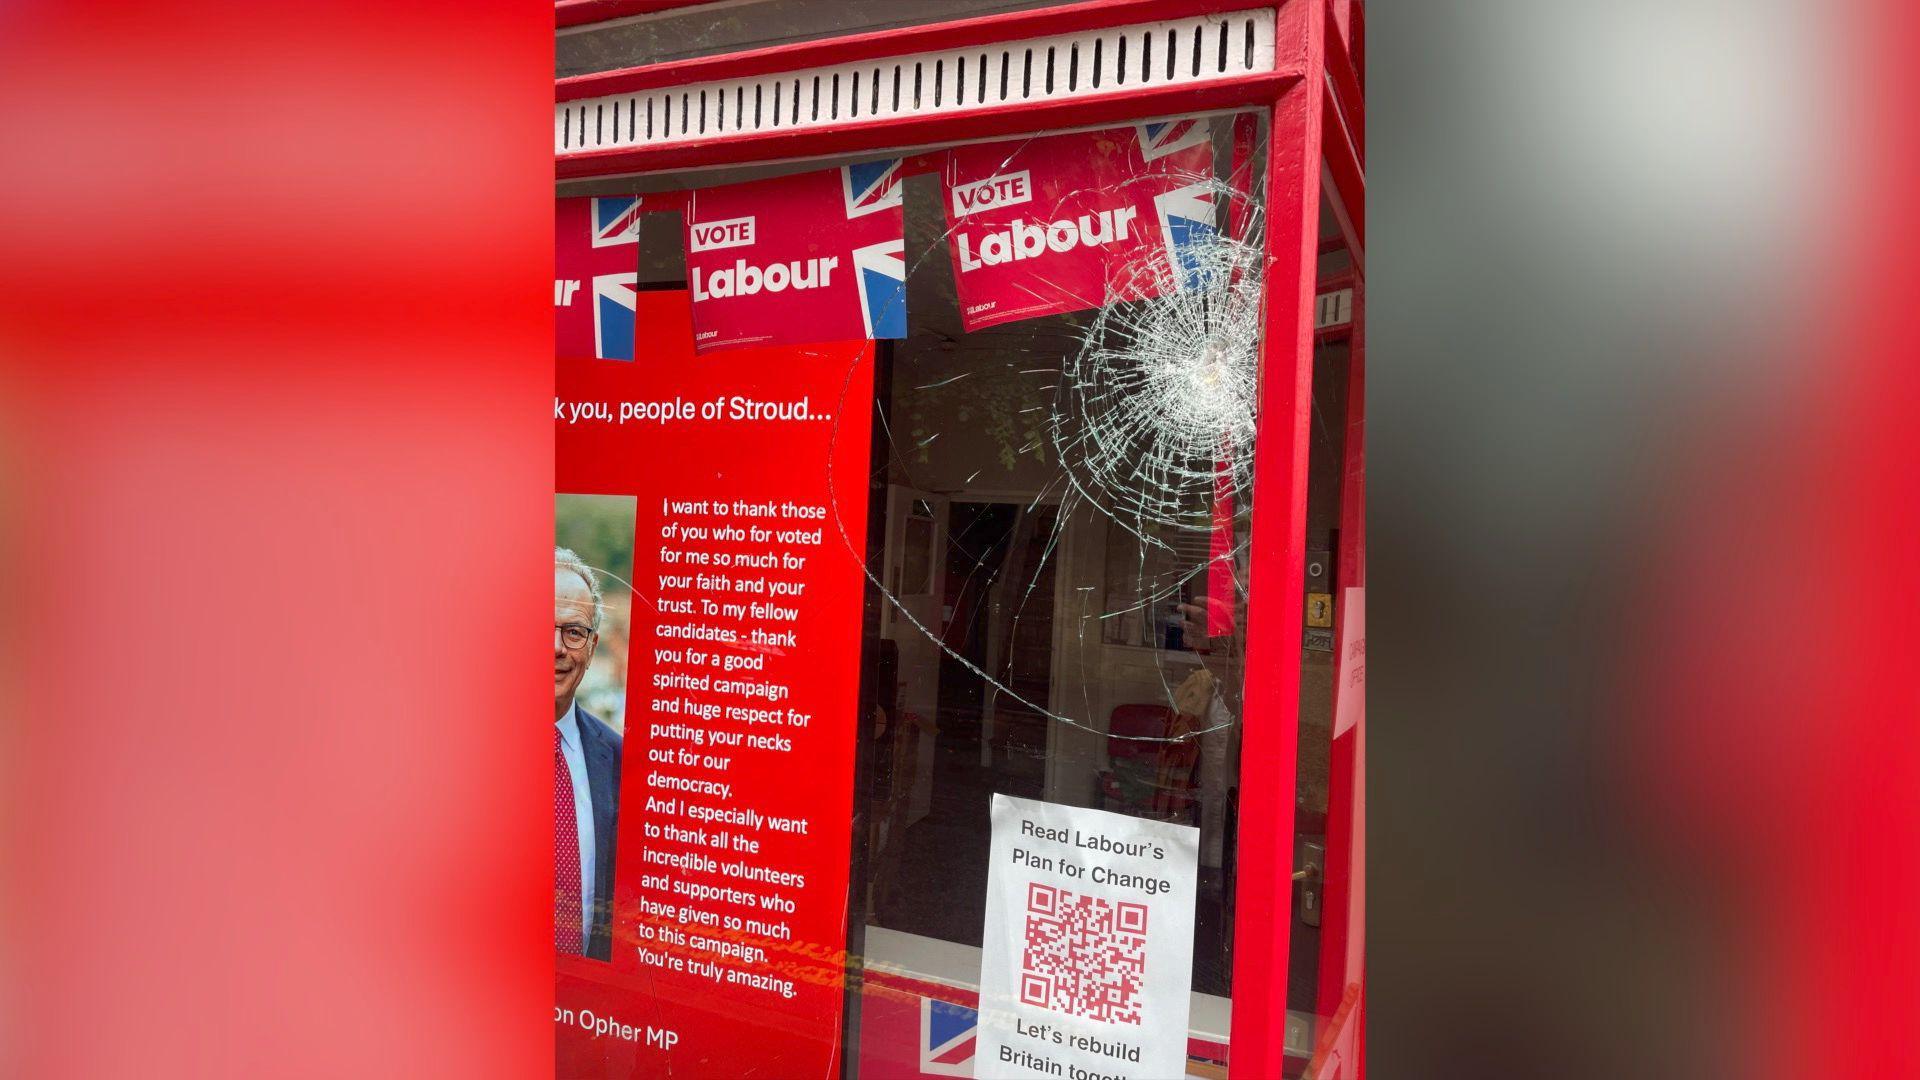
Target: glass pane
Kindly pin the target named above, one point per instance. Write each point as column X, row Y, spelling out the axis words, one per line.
column 1326, row 937
column 1082, row 645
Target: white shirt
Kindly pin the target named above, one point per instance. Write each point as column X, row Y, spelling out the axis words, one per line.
column 576, row 759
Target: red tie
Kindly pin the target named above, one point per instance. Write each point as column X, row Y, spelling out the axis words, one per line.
column 566, row 858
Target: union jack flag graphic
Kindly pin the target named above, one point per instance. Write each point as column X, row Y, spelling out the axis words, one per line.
column 872, row 186
column 616, row 220
column 882, row 271
column 948, row 1033
column 1166, row 137
column 614, row 304
column 1186, row 220
column 596, row 249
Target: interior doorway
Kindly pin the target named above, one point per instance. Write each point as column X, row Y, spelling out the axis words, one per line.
column 999, row 619
column 995, row 593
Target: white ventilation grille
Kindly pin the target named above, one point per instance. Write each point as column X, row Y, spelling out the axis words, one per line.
column 1181, row 52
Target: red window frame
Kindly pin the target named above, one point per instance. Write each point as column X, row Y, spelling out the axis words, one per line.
column 1313, row 101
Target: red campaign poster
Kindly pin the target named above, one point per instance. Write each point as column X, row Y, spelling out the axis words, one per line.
column 748, row 479
column 596, row 260
column 812, row 257
column 1064, row 223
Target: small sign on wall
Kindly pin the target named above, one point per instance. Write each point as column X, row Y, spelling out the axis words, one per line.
column 1319, row 609
column 1331, row 309
column 1350, row 696
column 1087, row 957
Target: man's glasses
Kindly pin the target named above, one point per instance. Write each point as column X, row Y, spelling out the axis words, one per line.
column 573, row 635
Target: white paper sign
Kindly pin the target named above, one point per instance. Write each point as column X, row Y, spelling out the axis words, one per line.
column 1087, row 959
column 1350, row 697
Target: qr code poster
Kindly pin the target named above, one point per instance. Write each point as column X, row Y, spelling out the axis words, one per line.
column 1087, row 959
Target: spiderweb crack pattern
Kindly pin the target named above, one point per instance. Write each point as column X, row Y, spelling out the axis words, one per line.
column 1151, row 419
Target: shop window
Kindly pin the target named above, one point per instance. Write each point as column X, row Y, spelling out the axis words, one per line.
column 1054, row 565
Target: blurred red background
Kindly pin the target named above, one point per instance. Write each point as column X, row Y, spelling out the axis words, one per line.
column 275, row 358
column 1778, row 736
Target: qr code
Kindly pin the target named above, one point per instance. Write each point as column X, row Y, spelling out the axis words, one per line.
column 1084, row 956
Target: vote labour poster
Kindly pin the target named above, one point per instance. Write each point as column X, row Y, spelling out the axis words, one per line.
column 812, row 257
column 748, row 479
column 596, row 258
column 1086, row 962
column 1064, row 223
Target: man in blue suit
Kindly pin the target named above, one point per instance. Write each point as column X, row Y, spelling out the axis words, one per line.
column 586, row 771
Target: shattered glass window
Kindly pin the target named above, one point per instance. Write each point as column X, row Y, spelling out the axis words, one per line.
column 1080, row 486
column 1056, row 567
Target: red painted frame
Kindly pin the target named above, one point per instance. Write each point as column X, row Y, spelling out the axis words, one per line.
column 1314, row 134
column 859, row 136
column 1264, row 887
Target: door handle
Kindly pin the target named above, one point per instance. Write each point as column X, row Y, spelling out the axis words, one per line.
column 1307, row 882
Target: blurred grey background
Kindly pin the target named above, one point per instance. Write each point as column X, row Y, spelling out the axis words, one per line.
column 1588, row 228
